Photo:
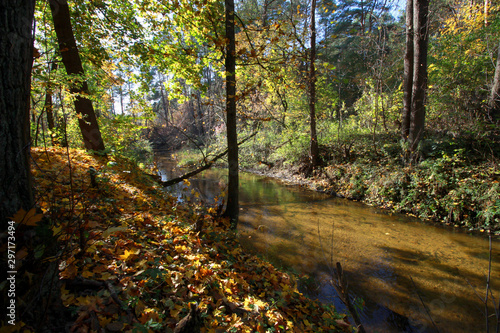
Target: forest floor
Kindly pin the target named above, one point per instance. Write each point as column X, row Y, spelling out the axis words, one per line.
column 113, row 253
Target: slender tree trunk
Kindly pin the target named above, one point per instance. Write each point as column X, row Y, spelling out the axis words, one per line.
column 199, row 113
column 494, row 102
column 112, row 109
column 122, row 107
column 49, row 109
column 314, row 150
column 16, row 58
column 265, row 13
column 232, row 209
column 419, row 89
column 486, row 12
column 71, row 60
column 408, row 72
column 49, row 106
column 165, row 104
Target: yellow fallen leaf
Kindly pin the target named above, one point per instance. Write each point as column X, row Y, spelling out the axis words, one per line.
column 56, row 230
column 128, row 254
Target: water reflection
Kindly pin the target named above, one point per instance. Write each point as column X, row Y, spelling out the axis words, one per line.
column 394, row 263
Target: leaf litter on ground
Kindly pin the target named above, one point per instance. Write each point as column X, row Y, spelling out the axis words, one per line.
column 133, row 261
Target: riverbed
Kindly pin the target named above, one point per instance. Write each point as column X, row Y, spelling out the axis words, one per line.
column 405, row 275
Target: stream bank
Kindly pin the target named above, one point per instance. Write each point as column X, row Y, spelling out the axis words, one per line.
column 448, row 193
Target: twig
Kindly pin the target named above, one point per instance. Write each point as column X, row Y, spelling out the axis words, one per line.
column 118, row 301
column 79, row 283
column 341, row 286
column 487, row 291
column 496, row 307
column 423, row 304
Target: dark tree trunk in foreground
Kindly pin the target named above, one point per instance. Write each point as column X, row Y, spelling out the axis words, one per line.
column 232, row 209
column 314, row 149
column 412, row 128
column 73, row 64
column 16, row 58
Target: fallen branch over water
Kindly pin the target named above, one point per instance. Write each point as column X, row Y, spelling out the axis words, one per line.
column 205, row 166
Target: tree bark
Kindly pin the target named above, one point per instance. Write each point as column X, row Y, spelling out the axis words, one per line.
column 165, row 104
column 87, row 119
column 408, row 72
column 16, row 59
column 49, row 106
column 314, row 149
column 232, row 208
column 420, row 42
column 415, row 80
column 494, row 102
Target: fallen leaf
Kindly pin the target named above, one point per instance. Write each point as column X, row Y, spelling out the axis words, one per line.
column 30, row 218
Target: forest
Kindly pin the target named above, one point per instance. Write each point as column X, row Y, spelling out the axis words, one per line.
column 393, row 104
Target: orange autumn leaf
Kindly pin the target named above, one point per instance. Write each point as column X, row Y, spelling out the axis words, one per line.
column 149, row 314
column 30, row 218
column 69, row 272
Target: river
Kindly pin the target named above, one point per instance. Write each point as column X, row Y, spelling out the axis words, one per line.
column 394, row 264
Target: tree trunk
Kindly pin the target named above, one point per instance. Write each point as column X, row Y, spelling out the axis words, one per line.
column 415, row 71
column 71, row 59
column 420, row 41
column 494, row 102
column 199, row 115
column 165, row 104
column 314, row 150
column 16, row 58
column 408, row 72
column 486, row 12
column 49, row 106
column 232, row 208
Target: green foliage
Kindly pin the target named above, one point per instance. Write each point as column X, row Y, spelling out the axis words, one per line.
column 445, row 189
column 461, row 67
column 123, row 136
column 378, row 111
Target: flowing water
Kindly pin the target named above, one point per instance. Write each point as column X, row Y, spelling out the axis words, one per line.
column 410, row 276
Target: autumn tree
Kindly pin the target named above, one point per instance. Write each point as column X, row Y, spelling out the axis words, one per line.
column 16, row 51
column 87, row 119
